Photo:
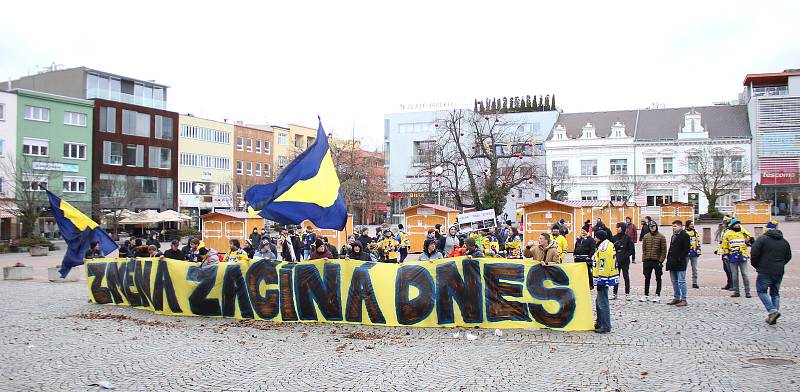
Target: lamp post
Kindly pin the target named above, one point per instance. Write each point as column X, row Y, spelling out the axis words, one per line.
column 364, row 210
column 438, row 170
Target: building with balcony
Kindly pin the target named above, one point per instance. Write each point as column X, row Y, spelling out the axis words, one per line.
column 205, row 162
column 253, row 152
column 133, row 133
column 646, row 156
column 773, row 104
column 409, row 136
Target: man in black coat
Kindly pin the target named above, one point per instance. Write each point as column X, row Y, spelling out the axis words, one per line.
column 624, row 248
column 364, row 238
column 769, row 255
column 677, row 260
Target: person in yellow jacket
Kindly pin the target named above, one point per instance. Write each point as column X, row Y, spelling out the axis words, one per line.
column 695, row 250
column 605, row 273
column 734, row 252
column 559, row 239
column 726, row 220
column 388, row 248
column 236, row 253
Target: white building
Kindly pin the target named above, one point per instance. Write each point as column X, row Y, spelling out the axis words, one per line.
column 406, row 135
column 644, row 155
column 8, row 148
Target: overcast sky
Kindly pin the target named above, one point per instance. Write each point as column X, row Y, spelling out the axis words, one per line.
column 352, row 62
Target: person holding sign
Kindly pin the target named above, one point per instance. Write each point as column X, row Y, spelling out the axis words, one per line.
column 605, row 274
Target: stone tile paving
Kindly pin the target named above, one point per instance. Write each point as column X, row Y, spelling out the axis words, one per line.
column 53, row 340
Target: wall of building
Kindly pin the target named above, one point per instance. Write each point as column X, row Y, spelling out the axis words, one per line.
column 794, row 85
column 205, row 162
column 246, row 154
column 57, row 166
column 68, row 82
column 8, row 139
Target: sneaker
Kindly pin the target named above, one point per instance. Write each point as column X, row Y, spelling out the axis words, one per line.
column 655, row 299
column 726, row 287
column 695, row 286
column 601, row 330
column 673, row 302
column 681, row 303
column 644, row 299
column 748, row 295
column 773, row 318
column 613, row 297
column 736, row 295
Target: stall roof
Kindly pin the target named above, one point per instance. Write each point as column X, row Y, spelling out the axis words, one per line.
column 232, row 214
column 434, row 206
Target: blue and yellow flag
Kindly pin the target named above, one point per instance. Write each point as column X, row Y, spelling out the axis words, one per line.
column 308, row 188
column 78, row 231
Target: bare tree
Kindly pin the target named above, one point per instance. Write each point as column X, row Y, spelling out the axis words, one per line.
column 115, row 193
column 557, row 182
column 28, row 186
column 482, row 158
column 628, row 186
column 716, row 173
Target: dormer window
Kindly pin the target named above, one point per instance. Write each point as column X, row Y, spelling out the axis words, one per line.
column 618, row 130
column 588, row 131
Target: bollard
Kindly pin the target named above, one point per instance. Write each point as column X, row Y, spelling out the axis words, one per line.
column 706, row 235
column 758, row 230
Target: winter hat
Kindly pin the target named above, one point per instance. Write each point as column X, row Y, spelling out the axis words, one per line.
column 773, row 224
column 734, row 221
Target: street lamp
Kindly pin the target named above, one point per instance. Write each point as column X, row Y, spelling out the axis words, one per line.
column 438, row 170
column 364, row 210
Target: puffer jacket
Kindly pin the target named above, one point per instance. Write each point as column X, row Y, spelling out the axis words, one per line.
column 654, row 247
column 605, row 271
column 770, row 253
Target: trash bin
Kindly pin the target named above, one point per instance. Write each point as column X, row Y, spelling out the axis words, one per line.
column 706, row 235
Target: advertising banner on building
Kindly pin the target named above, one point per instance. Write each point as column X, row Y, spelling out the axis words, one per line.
column 488, row 293
column 780, row 171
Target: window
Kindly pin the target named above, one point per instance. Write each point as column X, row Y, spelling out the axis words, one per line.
column 619, row 167
column 205, row 134
column 134, row 155
column 258, row 169
column 2, row 112
column 240, row 143
column 74, row 150
column 589, row 167
column 34, row 182
column 35, row 147
column 693, row 164
column 112, row 153
column 282, row 160
column 75, row 184
column 657, row 197
column 185, row 187
column 249, row 145
column 112, row 185
column 560, row 168
column 135, row 123
column 650, row 165
column 147, row 185
column 239, row 167
column 163, row 127
column 108, row 120
column 267, row 147
column 619, row 195
column 667, row 165
column 249, row 168
column 500, row 150
column 160, row 158
column 588, row 195
column 719, row 163
column 76, row 119
column 258, row 146
column 736, row 164
column 423, row 151
column 729, row 199
column 224, row 189
column 523, row 149
column 36, row 113
column 204, row 161
column 309, row 142
column 267, row 169
column 283, row 139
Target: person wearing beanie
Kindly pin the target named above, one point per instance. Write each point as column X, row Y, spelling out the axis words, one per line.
column 624, row 248
column 584, row 250
column 605, row 274
column 387, row 248
column 734, row 252
column 694, row 250
column 769, row 256
column 320, row 250
column 654, row 252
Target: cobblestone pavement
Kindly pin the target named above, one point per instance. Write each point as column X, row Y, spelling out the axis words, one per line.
column 53, row 340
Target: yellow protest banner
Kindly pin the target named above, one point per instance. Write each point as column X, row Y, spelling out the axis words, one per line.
column 488, row 293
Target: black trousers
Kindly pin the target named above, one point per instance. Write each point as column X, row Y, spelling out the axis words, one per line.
column 624, row 268
column 651, row 266
column 589, row 269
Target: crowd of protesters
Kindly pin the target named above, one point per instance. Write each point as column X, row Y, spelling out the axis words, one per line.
column 608, row 254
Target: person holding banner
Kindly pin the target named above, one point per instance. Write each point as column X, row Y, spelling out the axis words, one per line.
column 473, row 250
column 546, row 251
column 320, row 251
column 513, row 244
column 236, row 253
column 449, row 241
column 431, row 253
column 605, row 274
column 357, row 253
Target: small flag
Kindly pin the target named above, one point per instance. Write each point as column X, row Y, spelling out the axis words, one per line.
column 308, row 188
column 78, row 231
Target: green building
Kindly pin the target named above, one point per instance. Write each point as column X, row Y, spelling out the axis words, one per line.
column 54, row 151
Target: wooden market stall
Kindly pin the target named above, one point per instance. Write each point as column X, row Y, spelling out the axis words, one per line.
column 753, row 211
column 539, row 217
column 676, row 210
column 418, row 219
column 336, row 238
column 221, row 226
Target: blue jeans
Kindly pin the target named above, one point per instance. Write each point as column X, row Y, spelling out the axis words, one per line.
column 603, row 309
column 771, row 283
column 736, row 268
column 678, row 285
column 306, row 253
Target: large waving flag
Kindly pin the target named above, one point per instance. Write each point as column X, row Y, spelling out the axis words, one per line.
column 308, row 188
column 78, row 231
